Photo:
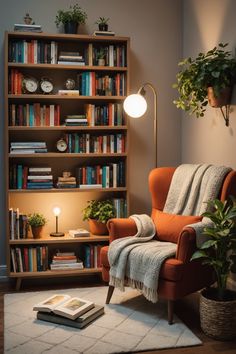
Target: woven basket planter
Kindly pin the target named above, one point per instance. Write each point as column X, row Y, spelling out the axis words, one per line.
column 218, row 318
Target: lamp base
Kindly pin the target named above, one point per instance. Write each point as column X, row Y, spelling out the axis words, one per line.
column 57, row 234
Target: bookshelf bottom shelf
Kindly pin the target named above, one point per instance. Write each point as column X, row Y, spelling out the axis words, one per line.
column 53, row 274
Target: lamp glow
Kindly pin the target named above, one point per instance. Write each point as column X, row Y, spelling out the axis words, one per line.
column 135, row 105
column 57, row 212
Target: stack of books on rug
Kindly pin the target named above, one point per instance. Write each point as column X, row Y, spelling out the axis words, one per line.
column 66, row 261
column 69, row 311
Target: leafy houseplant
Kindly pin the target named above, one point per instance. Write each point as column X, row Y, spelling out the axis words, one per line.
column 219, row 251
column 102, row 23
column 101, row 55
column 98, row 212
column 71, row 18
column 36, row 221
column 215, row 69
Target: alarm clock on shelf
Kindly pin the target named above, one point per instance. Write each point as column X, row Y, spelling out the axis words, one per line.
column 46, row 85
column 61, row 145
column 30, row 85
column 70, row 84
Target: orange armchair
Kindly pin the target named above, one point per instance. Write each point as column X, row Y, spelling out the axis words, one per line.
column 178, row 276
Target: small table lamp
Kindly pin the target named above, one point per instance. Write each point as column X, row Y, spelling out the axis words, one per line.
column 135, row 106
column 56, row 212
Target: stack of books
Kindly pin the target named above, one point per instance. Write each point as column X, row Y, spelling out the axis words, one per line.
column 40, row 178
column 70, row 58
column 30, row 147
column 66, row 261
column 22, row 27
column 103, row 33
column 69, row 311
column 79, row 233
column 76, row 120
column 66, row 182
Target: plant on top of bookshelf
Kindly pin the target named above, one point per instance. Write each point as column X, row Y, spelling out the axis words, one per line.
column 98, row 212
column 71, row 18
column 36, row 221
column 102, row 23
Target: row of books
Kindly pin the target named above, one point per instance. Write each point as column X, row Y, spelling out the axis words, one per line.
column 97, row 84
column 29, row 147
column 34, row 115
column 111, row 114
column 88, row 143
column 29, row 259
column 114, row 55
column 32, row 52
column 92, row 256
column 18, row 224
column 109, row 176
column 23, row 177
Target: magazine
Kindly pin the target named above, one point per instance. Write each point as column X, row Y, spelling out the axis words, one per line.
column 65, row 306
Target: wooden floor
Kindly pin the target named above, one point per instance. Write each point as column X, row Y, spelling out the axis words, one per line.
column 186, row 309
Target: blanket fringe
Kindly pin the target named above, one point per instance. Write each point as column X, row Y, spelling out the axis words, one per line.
column 148, row 293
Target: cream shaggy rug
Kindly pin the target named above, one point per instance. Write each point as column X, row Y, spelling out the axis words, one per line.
column 130, row 324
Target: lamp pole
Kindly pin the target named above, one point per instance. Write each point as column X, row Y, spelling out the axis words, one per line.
column 142, row 92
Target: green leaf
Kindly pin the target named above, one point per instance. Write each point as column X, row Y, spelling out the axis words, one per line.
column 198, row 254
column 208, row 244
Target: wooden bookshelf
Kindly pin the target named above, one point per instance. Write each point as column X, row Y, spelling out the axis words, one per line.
column 116, row 68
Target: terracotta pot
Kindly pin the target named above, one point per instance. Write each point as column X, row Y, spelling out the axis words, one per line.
column 97, row 227
column 218, row 318
column 37, row 231
column 222, row 100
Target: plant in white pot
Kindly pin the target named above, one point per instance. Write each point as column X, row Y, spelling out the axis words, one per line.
column 218, row 304
column 207, row 78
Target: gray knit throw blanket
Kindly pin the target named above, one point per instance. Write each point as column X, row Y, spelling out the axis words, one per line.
column 192, row 186
column 136, row 260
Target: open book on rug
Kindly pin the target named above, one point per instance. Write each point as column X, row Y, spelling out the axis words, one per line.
column 65, row 306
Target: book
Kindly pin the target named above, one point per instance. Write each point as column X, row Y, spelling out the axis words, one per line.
column 90, row 186
column 68, row 92
column 79, row 63
column 80, row 322
column 79, row 233
column 64, row 305
column 103, row 33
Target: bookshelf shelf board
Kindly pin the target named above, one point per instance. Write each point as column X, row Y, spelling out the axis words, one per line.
column 54, row 273
column 62, row 127
column 65, row 154
column 67, row 37
column 67, row 67
column 65, row 97
column 56, row 240
column 72, row 190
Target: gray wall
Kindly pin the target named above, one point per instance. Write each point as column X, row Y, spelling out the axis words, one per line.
column 155, row 29
column 208, row 140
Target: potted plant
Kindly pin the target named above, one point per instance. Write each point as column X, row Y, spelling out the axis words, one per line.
column 213, row 72
column 101, row 54
column 98, row 213
column 36, row 221
column 71, row 18
column 102, row 23
column 218, row 304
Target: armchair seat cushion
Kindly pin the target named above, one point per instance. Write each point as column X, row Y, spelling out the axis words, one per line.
column 169, row 226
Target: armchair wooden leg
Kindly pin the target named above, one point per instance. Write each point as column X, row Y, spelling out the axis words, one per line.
column 109, row 293
column 170, row 311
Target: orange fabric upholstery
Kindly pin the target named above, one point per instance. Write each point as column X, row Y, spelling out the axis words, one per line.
column 169, row 226
column 178, row 276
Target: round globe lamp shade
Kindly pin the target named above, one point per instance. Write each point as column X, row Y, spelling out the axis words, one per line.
column 135, row 105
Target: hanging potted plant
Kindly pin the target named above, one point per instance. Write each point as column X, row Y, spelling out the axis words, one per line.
column 207, row 78
column 36, row 221
column 98, row 213
column 71, row 18
column 218, row 304
column 102, row 23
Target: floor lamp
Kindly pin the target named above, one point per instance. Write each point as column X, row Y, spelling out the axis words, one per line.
column 135, row 106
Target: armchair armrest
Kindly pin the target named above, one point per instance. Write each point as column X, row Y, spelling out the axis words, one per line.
column 186, row 245
column 119, row 228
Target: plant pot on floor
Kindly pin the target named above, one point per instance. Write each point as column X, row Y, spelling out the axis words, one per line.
column 222, row 100
column 97, row 227
column 37, row 231
column 218, row 318
column 71, row 27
